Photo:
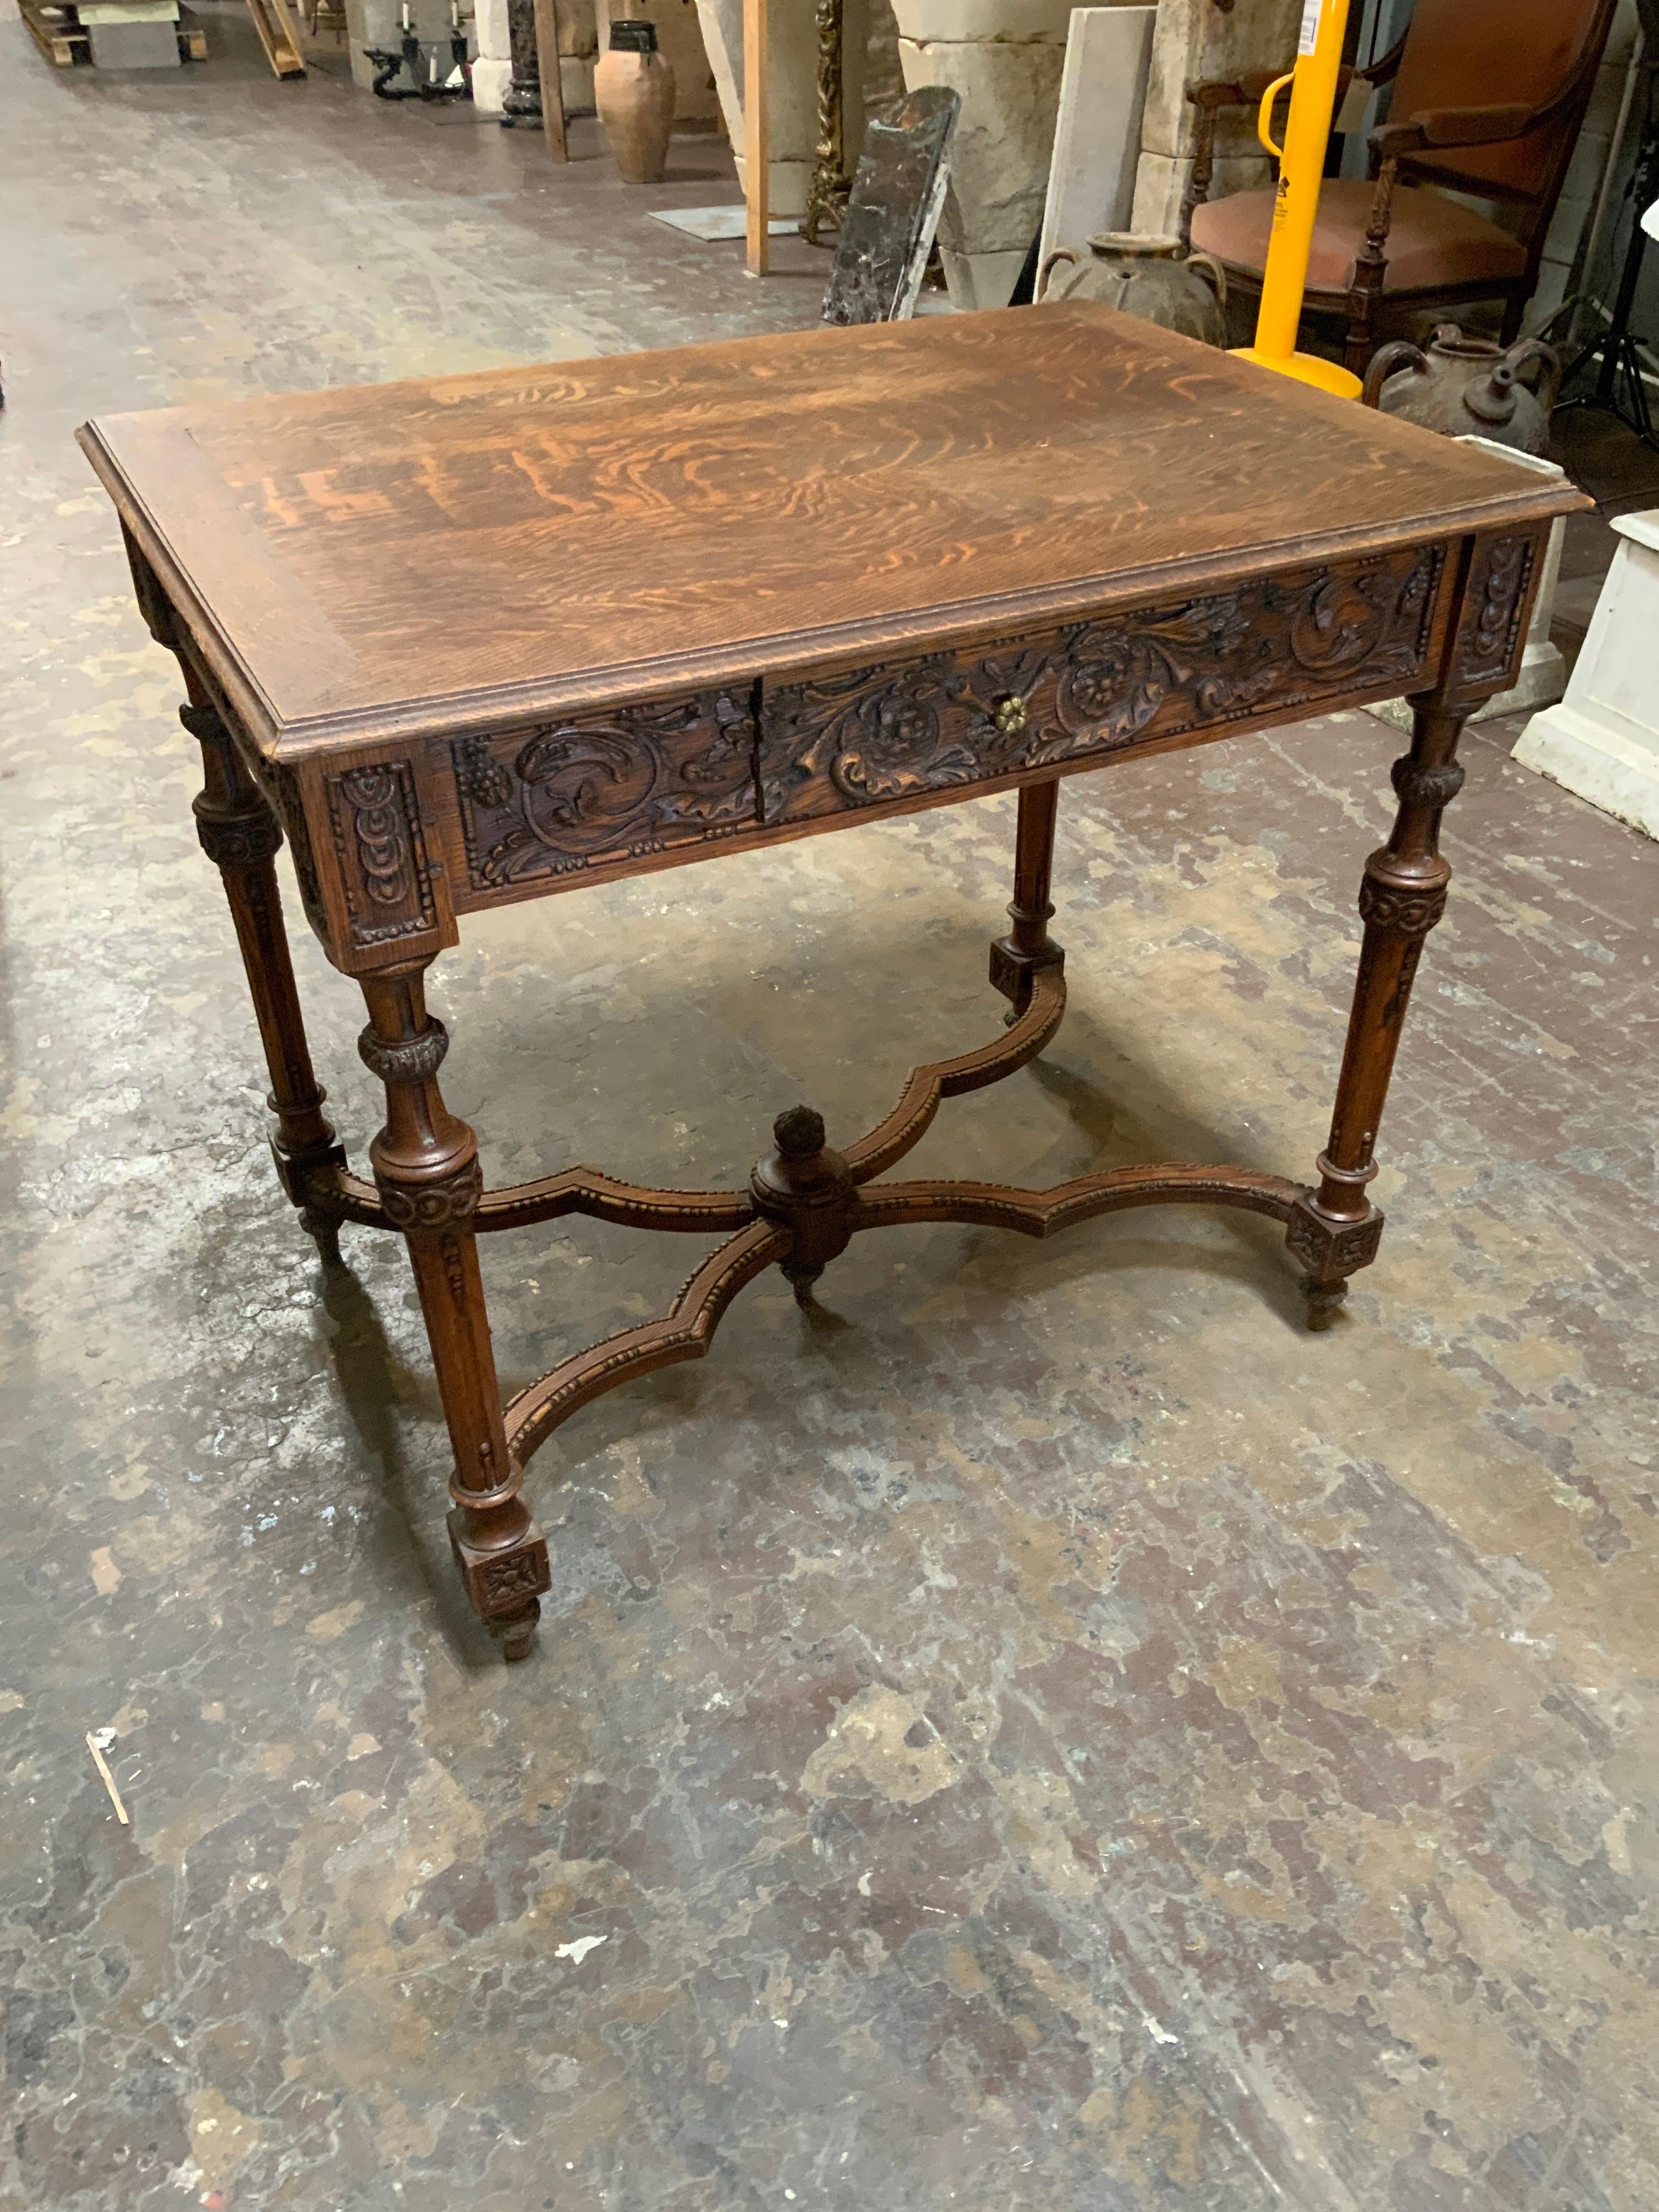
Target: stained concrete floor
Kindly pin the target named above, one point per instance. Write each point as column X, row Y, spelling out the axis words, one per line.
column 1039, row 1730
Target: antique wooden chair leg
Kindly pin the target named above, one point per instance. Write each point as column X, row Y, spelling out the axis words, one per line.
column 241, row 836
column 426, row 1166
column 1402, row 898
column 1028, row 946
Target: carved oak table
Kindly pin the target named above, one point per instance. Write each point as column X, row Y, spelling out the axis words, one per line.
column 494, row 636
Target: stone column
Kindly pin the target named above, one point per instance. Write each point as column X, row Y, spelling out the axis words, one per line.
column 1193, row 39
column 1005, row 58
column 492, row 64
column 792, row 52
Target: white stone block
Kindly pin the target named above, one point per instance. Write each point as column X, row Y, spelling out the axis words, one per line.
column 1601, row 741
column 1102, row 88
column 490, row 81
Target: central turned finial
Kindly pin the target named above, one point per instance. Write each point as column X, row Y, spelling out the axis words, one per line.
column 798, row 1134
column 809, row 1189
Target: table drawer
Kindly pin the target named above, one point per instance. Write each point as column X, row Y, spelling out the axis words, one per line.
column 604, row 788
column 1279, row 645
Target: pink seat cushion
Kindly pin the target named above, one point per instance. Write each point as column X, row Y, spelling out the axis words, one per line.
column 1431, row 241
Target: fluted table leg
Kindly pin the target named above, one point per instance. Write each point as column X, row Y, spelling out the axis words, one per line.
column 426, row 1168
column 241, row 836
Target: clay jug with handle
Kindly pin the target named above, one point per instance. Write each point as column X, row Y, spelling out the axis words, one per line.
column 633, row 92
column 1146, row 275
column 1468, row 387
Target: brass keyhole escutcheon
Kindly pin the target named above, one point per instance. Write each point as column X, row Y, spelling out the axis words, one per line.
column 1009, row 715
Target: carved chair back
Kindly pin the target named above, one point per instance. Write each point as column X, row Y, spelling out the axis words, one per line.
column 1484, row 53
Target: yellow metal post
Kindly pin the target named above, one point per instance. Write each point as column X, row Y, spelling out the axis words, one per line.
column 1301, row 170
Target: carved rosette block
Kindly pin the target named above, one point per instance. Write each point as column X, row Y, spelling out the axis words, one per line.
column 617, row 786
column 866, row 737
column 503, row 1587
column 1012, row 970
column 1331, row 1250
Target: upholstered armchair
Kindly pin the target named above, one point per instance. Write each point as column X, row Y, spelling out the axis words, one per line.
column 1488, row 98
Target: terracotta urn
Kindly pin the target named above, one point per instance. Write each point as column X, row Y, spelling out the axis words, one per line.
column 633, row 92
column 1145, row 276
column 1468, row 387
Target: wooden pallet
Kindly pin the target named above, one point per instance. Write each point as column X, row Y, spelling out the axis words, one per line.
column 64, row 42
column 58, row 36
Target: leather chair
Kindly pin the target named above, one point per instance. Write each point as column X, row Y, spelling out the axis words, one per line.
column 1488, row 99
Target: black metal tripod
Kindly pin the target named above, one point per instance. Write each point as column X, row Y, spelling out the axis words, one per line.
column 1620, row 389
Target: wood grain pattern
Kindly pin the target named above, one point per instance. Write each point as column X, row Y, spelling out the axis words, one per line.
column 513, row 546
column 886, row 570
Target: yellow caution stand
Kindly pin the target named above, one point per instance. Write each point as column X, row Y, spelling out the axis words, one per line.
column 1301, row 169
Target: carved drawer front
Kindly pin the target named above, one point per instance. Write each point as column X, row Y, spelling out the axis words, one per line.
column 605, row 787
column 866, row 737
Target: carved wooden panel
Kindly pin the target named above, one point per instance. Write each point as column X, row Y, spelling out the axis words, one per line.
column 281, row 789
column 639, row 780
column 1494, row 610
column 379, row 853
column 1278, row 645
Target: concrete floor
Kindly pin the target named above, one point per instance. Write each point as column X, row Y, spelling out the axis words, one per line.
column 1041, row 1731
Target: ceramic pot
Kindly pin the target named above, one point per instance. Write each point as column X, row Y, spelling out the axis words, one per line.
column 1468, row 387
column 633, row 92
column 1143, row 276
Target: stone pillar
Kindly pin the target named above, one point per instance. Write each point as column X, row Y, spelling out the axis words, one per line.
column 792, row 50
column 1193, row 39
column 492, row 65
column 1005, row 58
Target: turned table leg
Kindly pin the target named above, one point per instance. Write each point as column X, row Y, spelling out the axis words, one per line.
column 1402, row 896
column 241, row 836
column 426, row 1166
column 1016, row 958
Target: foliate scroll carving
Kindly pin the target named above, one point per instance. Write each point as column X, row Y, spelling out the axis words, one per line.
column 868, row 736
column 376, row 826
column 1495, row 601
column 1426, row 787
column 1399, row 910
column 619, row 786
column 447, row 1202
column 237, row 841
column 404, row 1060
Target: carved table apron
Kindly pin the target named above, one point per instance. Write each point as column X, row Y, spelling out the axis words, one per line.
column 497, row 637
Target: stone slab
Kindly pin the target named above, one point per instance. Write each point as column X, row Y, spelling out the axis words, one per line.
column 1103, row 90
column 894, row 211
column 142, row 45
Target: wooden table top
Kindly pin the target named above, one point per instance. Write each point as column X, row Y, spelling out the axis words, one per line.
column 425, row 557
